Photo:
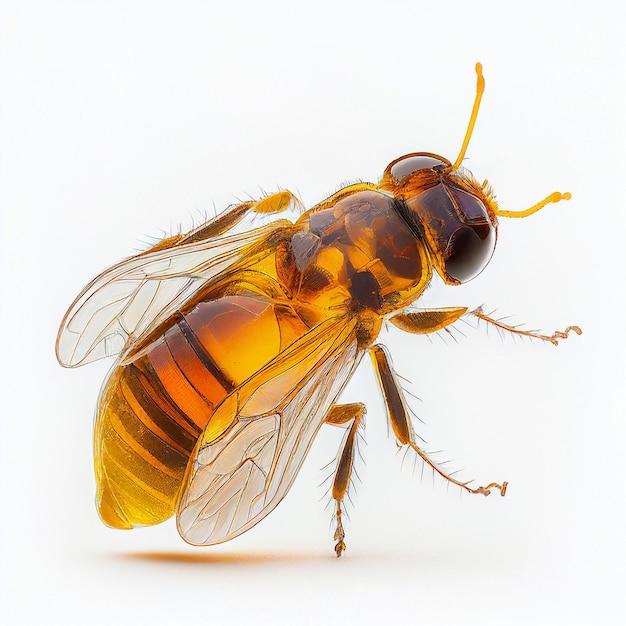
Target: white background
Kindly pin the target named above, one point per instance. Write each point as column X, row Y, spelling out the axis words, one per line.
column 121, row 120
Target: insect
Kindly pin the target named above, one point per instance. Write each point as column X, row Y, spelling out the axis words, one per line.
column 233, row 347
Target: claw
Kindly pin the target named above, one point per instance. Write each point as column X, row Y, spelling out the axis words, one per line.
column 339, row 548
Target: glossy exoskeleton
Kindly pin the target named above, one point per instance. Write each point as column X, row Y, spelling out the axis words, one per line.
column 233, row 346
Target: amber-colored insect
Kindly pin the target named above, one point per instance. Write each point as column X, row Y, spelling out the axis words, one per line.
column 233, row 347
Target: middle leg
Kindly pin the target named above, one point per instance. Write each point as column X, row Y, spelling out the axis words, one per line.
column 401, row 423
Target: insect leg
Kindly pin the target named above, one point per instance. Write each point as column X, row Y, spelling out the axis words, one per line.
column 342, row 414
column 401, row 424
column 428, row 320
column 274, row 203
column 554, row 338
column 432, row 320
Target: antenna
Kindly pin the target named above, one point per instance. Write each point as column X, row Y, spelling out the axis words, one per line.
column 556, row 196
column 480, row 89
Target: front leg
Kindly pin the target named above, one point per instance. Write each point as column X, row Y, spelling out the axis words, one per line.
column 401, row 424
column 428, row 321
column 553, row 339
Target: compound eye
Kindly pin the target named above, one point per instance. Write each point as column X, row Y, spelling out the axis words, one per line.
column 407, row 165
column 457, row 228
column 472, row 243
column 469, row 250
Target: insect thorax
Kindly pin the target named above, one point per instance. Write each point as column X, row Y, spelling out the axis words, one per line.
column 355, row 256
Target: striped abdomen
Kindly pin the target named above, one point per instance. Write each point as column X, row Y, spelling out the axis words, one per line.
column 153, row 410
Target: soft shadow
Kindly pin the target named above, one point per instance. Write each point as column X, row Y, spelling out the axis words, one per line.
column 233, row 558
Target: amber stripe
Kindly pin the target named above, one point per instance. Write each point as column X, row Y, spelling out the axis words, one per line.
column 140, row 447
column 162, row 408
column 151, row 416
column 204, row 356
column 137, row 483
column 178, row 388
column 119, row 451
column 194, row 370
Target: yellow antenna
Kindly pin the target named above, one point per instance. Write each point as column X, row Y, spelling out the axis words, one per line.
column 557, row 196
column 480, row 89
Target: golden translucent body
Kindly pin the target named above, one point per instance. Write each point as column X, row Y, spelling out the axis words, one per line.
column 154, row 409
column 233, row 349
column 353, row 258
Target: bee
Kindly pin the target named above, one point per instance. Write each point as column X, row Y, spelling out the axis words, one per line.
column 234, row 342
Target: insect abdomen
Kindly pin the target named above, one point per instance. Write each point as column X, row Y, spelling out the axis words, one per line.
column 153, row 410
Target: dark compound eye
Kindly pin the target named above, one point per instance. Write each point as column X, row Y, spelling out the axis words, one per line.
column 469, row 250
column 458, row 229
column 471, row 246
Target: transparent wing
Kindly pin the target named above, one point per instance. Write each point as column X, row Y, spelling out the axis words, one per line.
column 129, row 299
column 240, row 475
